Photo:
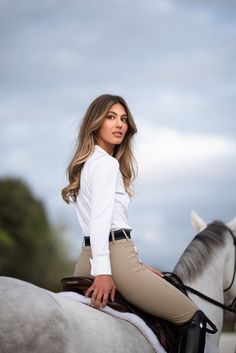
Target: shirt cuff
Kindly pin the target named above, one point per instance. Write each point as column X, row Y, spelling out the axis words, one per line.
column 100, row 265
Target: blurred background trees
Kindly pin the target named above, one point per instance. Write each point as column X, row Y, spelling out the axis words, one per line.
column 30, row 249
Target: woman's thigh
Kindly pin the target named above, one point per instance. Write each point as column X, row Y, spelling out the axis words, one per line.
column 145, row 289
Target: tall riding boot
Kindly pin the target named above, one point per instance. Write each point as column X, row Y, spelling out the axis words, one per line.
column 193, row 333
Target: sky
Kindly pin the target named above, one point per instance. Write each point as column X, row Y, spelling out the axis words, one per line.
column 173, row 62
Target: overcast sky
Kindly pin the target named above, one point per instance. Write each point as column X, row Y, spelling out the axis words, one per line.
column 174, row 63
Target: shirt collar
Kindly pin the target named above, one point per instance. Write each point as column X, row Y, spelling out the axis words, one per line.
column 98, row 148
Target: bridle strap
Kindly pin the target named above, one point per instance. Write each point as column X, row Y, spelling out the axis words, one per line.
column 213, row 301
column 181, row 285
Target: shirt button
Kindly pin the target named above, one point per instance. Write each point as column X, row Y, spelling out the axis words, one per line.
column 135, row 250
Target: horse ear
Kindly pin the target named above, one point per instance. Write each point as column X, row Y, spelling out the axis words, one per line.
column 197, row 222
column 232, row 224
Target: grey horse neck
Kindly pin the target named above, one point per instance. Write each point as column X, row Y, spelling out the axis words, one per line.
column 201, row 251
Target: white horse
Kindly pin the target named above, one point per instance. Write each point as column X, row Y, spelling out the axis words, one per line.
column 34, row 320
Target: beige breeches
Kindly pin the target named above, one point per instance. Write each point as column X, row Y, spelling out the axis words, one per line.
column 139, row 285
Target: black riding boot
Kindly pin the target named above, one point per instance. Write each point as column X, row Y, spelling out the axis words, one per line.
column 193, row 333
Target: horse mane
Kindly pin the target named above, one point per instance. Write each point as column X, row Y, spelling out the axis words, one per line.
column 201, row 251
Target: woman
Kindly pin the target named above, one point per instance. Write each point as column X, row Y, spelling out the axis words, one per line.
column 100, row 176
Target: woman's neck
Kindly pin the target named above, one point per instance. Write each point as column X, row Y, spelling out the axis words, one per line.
column 108, row 148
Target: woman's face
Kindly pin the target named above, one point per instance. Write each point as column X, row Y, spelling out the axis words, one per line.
column 113, row 129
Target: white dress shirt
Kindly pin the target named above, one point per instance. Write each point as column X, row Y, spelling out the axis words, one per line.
column 101, row 206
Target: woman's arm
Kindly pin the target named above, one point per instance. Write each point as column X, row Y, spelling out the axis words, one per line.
column 104, row 172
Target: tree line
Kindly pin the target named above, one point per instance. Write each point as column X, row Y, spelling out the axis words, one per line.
column 30, row 249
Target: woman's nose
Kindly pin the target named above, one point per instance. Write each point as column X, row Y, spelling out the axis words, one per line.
column 119, row 122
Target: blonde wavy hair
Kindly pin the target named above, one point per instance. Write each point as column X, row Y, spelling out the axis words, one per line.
column 90, row 125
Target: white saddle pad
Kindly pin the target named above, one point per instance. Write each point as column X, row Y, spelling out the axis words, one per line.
column 132, row 318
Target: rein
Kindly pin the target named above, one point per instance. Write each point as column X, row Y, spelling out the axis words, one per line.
column 181, row 285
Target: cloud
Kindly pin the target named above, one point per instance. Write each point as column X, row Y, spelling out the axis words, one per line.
column 179, row 171
column 166, row 153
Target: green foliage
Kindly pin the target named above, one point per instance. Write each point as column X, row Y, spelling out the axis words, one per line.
column 6, row 239
column 29, row 248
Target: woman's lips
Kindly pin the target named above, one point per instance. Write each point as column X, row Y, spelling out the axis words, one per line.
column 117, row 134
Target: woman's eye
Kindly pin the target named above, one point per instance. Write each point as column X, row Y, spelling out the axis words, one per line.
column 125, row 120
column 110, row 116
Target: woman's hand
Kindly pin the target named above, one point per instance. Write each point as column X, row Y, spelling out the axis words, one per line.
column 102, row 287
column 154, row 270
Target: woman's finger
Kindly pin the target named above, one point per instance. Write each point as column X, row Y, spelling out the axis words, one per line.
column 104, row 300
column 89, row 290
column 94, row 296
column 159, row 273
column 97, row 301
column 112, row 294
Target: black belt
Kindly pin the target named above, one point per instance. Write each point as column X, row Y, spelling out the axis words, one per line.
column 118, row 234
